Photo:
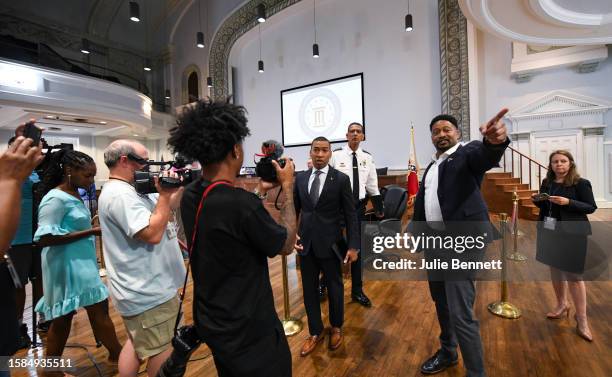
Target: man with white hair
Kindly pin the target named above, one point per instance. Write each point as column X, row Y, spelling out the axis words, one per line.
column 142, row 256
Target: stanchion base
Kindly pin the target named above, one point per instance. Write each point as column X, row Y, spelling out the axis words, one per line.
column 292, row 326
column 504, row 309
column 517, row 257
column 102, row 272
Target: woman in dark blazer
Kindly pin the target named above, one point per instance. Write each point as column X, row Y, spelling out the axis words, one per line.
column 563, row 228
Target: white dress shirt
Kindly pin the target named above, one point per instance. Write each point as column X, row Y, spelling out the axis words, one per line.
column 322, row 178
column 433, row 212
column 342, row 160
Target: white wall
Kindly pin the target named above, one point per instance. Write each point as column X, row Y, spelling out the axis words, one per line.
column 498, row 89
column 401, row 70
column 184, row 50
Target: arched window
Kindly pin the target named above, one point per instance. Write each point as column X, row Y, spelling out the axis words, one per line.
column 192, row 87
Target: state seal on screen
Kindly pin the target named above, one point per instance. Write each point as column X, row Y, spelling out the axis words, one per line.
column 320, row 112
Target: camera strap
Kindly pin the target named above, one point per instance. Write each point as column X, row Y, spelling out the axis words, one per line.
column 192, row 245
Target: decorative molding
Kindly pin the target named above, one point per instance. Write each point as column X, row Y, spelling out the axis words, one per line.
column 236, row 25
column 551, row 11
column 560, row 104
column 505, row 20
column 526, row 62
column 454, row 64
column 40, row 90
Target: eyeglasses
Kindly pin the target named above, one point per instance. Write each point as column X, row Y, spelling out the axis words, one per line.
column 137, row 159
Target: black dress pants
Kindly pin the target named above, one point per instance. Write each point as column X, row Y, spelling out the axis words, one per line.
column 454, row 300
column 356, row 267
column 311, row 267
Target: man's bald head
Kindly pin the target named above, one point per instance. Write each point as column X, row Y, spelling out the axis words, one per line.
column 123, row 147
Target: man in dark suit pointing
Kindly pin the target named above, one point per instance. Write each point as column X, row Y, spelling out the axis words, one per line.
column 449, row 199
column 324, row 199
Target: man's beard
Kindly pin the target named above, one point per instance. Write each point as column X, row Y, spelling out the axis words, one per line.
column 449, row 145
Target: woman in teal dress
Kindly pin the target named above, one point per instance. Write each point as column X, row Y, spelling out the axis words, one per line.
column 70, row 269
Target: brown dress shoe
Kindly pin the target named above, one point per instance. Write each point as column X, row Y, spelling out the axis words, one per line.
column 335, row 338
column 311, row 343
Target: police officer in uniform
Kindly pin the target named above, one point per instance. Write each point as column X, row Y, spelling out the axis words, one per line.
column 359, row 166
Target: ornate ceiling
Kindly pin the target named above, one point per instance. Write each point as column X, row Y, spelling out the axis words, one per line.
column 543, row 22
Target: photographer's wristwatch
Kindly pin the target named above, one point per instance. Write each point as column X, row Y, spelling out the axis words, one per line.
column 260, row 195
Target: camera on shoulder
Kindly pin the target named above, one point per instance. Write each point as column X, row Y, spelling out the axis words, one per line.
column 144, row 180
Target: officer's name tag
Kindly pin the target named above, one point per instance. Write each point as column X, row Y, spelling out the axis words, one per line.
column 550, row 223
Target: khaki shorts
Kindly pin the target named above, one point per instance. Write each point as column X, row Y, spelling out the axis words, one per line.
column 151, row 331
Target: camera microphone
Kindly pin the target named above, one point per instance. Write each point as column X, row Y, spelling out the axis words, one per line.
column 271, row 150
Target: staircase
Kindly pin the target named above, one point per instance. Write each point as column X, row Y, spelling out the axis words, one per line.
column 497, row 187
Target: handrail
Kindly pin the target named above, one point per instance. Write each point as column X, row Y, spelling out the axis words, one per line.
column 530, row 161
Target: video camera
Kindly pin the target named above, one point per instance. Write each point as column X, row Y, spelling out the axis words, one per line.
column 271, row 150
column 144, row 180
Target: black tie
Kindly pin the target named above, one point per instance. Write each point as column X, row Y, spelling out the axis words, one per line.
column 314, row 188
column 355, row 178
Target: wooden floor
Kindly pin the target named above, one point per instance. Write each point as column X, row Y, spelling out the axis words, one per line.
column 394, row 336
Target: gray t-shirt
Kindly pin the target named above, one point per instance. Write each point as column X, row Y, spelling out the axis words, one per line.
column 141, row 275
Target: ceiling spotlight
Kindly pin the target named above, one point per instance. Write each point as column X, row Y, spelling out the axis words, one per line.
column 260, row 66
column 76, row 129
column 102, row 122
column 209, row 82
column 135, row 135
column 200, row 39
column 134, row 11
column 315, row 50
column 85, row 46
column 167, row 94
column 147, row 65
column 50, row 117
column 261, row 13
column 408, row 22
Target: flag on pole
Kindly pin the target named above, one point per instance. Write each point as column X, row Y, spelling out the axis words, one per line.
column 412, row 179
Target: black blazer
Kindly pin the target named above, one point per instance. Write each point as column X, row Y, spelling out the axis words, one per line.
column 321, row 225
column 581, row 203
column 459, row 180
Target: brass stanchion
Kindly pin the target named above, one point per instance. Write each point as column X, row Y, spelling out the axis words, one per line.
column 516, row 256
column 291, row 325
column 503, row 308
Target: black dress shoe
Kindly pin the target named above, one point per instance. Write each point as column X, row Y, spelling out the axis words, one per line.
column 322, row 293
column 362, row 299
column 437, row 363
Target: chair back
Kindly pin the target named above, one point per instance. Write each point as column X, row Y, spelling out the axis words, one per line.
column 395, row 198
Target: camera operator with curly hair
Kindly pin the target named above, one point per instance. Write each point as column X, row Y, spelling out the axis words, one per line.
column 143, row 260
column 233, row 305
